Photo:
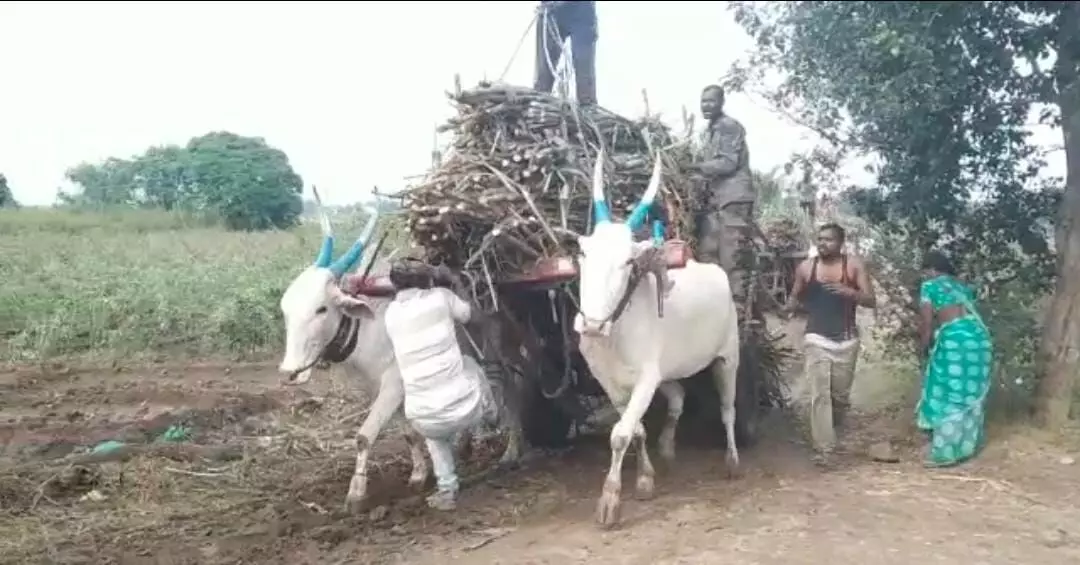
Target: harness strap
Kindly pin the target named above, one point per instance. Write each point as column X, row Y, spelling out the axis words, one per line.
column 344, row 341
column 635, row 279
column 637, row 272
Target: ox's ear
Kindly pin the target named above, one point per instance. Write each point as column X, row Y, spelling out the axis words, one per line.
column 354, row 306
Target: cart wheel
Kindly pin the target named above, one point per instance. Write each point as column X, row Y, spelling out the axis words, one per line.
column 747, row 408
column 544, row 422
column 748, row 402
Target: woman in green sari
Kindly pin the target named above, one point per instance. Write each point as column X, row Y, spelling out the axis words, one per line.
column 959, row 353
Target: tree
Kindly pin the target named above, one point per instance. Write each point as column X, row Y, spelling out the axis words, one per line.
column 7, row 199
column 941, row 94
column 249, row 184
column 110, row 183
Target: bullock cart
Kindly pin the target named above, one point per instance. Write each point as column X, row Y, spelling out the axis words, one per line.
column 502, row 208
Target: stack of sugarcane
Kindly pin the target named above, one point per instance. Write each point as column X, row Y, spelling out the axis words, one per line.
column 517, row 178
column 785, row 235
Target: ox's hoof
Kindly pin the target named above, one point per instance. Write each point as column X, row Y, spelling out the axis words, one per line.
column 608, row 508
column 509, row 460
column 511, row 456
column 355, row 504
column 417, row 481
column 645, row 487
column 356, row 500
column 732, row 467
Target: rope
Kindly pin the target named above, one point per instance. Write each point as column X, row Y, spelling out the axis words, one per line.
column 566, row 79
column 566, row 74
column 562, row 75
column 517, row 49
column 563, row 78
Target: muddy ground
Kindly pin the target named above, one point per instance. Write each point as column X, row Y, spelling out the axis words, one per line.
column 259, row 472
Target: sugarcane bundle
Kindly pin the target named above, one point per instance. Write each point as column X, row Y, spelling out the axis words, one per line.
column 785, row 234
column 517, row 178
column 516, row 181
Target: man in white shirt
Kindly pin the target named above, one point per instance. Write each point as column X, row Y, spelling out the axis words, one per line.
column 445, row 391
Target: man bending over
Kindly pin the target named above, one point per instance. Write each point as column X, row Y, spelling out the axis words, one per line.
column 445, row 392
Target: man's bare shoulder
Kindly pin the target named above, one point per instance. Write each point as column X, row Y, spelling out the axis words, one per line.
column 856, row 262
column 856, row 266
column 803, row 268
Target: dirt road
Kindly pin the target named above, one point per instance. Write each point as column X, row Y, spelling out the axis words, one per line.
column 262, row 471
column 786, row 511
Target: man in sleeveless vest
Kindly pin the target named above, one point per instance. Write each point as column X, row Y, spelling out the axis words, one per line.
column 830, row 286
column 727, row 202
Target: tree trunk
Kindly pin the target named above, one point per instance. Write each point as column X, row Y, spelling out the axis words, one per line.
column 1060, row 353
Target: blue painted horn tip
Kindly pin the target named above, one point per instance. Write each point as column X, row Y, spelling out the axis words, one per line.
column 348, row 260
column 637, row 216
column 601, row 212
column 326, row 252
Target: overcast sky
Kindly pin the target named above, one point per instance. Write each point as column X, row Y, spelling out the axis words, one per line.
column 350, row 91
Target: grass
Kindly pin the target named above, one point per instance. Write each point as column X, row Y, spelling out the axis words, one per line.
column 104, row 286
column 145, row 285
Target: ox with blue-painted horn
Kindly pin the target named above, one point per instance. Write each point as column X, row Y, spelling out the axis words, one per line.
column 632, row 350
column 323, row 321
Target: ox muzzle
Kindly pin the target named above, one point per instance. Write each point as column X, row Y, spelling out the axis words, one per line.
column 591, row 327
column 297, row 375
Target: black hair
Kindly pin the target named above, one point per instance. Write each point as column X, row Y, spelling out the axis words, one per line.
column 715, row 87
column 409, row 272
column 836, row 229
column 939, row 262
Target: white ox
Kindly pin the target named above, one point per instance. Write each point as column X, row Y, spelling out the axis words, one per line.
column 323, row 322
column 635, row 353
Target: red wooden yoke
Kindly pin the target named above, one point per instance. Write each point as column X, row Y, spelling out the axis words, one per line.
column 546, row 271
column 561, row 269
column 357, row 285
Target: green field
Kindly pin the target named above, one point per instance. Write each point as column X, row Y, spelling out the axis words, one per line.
column 137, row 286
column 143, row 285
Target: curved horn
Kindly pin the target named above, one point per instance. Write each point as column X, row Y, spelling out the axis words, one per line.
column 637, row 217
column 326, row 252
column 601, row 213
column 347, row 261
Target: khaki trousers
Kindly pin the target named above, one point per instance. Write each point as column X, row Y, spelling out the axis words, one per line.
column 721, row 237
column 830, row 372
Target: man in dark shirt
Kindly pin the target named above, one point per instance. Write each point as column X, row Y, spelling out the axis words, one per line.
column 830, row 286
column 728, row 198
column 558, row 20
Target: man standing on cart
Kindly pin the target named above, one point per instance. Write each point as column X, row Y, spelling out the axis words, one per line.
column 727, row 197
column 559, row 20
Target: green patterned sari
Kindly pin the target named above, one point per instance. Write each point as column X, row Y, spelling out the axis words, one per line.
column 957, row 377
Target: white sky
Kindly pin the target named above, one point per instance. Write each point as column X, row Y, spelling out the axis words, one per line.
column 350, row 91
